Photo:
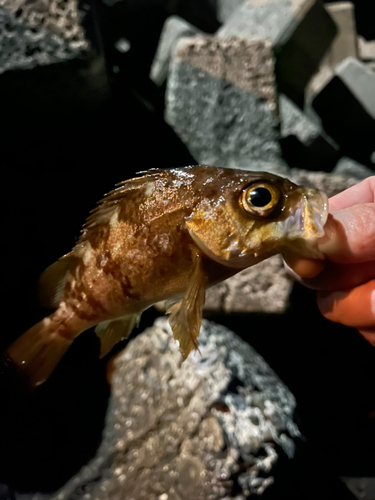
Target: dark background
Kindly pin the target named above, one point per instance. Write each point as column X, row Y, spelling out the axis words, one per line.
column 64, row 142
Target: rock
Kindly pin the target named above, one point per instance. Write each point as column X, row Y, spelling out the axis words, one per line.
column 344, row 45
column 346, row 106
column 291, row 27
column 266, row 286
column 225, row 8
column 366, row 49
column 221, row 100
column 39, row 32
column 261, row 288
column 367, row 52
column 363, row 488
column 329, row 183
column 350, row 168
column 180, row 430
column 174, row 28
column 303, row 140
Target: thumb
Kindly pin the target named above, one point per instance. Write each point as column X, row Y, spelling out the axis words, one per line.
column 350, row 235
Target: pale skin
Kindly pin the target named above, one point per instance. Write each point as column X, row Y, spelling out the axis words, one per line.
column 345, row 281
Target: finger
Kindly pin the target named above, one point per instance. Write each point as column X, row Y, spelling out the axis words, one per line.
column 333, row 276
column 350, row 234
column 364, row 192
column 303, row 267
column 354, row 308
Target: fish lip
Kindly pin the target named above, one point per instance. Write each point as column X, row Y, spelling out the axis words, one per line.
column 308, row 219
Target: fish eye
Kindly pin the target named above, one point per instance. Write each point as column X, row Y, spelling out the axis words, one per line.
column 260, row 198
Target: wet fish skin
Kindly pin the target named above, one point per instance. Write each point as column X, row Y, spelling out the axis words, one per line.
column 166, row 235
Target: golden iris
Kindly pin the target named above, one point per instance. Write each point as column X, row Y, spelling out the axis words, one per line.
column 261, row 198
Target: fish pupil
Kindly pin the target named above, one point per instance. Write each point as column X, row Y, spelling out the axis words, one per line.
column 260, row 197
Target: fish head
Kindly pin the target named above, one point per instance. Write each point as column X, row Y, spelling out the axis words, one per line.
column 254, row 215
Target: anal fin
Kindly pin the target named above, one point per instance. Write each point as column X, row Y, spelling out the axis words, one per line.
column 112, row 331
column 185, row 317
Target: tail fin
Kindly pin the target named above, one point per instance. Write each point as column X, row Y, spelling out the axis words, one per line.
column 38, row 351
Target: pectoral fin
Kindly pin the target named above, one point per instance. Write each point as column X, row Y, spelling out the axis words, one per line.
column 185, row 317
column 111, row 332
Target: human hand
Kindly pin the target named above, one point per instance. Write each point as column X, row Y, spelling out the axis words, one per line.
column 346, row 279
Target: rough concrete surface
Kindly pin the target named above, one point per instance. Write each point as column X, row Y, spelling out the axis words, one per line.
column 351, row 125
column 174, row 28
column 221, row 100
column 344, row 45
column 177, row 431
column 39, row 32
column 291, row 28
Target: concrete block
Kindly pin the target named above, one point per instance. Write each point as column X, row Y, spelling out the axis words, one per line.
column 344, row 45
column 174, row 28
column 225, row 8
column 346, row 106
column 291, row 27
column 351, row 168
column 39, row 33
column 303, row 140
column 221, row 100
column 366, row 49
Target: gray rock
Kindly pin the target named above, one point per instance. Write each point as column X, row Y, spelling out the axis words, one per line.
column 221, row 100
column 225, row 8
column 39, row 33
column 174, row 28
column 366, row 49
column 346, row 106
column 175, row 431
column 329, row 183
column 304, row 141
column 291, row 27
column 344, row 45
column 295, row 122
column 266, row 286
column 351, row 168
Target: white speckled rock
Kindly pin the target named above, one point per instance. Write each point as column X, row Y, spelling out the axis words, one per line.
column 178, row 431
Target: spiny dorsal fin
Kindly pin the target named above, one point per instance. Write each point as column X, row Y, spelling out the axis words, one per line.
column 53, row 280
column 112, row 331
column 107, row 205
column 185, row 317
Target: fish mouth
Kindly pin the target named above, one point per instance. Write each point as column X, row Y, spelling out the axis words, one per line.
column 308, row 220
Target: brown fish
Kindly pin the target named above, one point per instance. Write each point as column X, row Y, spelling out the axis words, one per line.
column 166, row 235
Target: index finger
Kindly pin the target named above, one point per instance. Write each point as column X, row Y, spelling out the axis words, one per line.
column 364, row 192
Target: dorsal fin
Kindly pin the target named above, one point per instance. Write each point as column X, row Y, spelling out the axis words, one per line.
column 107, row 205
column 53, row 280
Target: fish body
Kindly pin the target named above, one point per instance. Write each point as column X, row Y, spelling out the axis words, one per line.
column 166, row 235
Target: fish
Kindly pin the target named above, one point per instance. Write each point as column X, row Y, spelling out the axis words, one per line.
column 165, row 235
